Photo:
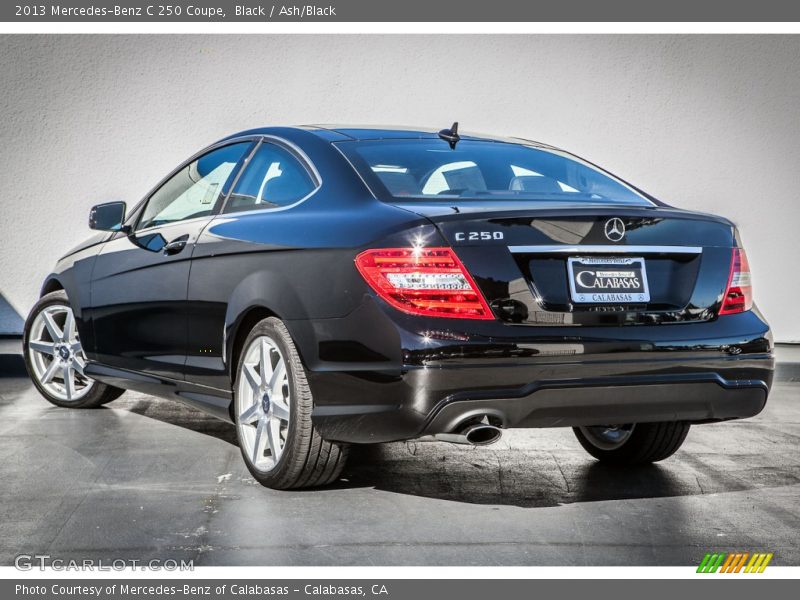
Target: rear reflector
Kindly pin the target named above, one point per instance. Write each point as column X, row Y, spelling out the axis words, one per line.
column 423, row 281
column 739, row 295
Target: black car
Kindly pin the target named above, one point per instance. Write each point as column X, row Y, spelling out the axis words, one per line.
column 326, row 286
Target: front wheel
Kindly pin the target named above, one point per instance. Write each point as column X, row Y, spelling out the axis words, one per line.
column 55, row 359
column 632, row 444
column 272, row 406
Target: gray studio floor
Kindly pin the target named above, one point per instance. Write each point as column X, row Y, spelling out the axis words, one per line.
column 145, row 478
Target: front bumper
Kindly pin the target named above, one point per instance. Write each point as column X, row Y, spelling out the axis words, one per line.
column 537, row 377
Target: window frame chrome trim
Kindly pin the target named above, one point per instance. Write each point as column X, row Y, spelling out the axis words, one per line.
column 603, row 249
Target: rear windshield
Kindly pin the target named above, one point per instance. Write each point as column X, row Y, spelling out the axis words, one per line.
column 428, row 169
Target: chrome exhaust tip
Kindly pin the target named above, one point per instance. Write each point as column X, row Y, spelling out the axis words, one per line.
column 483, row 434
column 477, row 434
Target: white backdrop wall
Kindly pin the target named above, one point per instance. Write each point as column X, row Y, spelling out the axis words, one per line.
column 703, row 122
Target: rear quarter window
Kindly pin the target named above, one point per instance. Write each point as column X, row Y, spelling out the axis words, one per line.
column 275, row 178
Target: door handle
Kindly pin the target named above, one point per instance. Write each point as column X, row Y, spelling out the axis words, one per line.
column 176, row 245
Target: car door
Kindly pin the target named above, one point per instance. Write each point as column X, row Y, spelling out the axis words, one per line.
column 139, row 281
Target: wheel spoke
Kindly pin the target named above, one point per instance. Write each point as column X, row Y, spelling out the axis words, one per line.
column 274, row 437
column 258, row 446
column 266, row 361
column 69, row 381
column 50, row 372
column 279, row 408
column 53, row 329
column 276, row 381
column 252, row 380
column 79, row 365
column 249, row 415
column 69, row 327
column 43, row 347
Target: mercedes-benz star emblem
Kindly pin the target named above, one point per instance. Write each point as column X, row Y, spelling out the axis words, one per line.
column 615, row 229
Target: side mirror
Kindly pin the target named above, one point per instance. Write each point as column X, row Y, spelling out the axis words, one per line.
column 107, row 217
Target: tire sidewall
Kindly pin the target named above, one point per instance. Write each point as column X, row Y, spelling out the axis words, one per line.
column 267, row 327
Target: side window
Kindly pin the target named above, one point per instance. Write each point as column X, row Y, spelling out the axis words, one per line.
column 274, row 178
column 195, row 189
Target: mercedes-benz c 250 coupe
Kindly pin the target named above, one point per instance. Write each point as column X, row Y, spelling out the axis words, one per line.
column 327, row 286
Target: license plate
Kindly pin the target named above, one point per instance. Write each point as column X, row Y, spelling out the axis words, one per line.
column 608, row 280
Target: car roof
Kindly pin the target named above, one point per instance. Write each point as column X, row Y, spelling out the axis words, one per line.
column 341, row 133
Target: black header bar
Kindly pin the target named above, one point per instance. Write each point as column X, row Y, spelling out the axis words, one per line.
column 441, row 11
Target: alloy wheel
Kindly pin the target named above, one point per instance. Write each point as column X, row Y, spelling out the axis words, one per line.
column 263, row 403
column 56, row 354
column 608, row 437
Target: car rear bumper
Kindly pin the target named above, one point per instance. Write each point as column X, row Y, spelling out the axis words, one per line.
column 424, row 408
column 604, row 401
column 559, row 377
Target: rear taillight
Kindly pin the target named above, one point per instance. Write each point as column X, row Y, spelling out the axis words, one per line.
column 423, row 281
column 739, row 295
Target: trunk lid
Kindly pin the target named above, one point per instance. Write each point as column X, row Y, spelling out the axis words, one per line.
column 526, row 259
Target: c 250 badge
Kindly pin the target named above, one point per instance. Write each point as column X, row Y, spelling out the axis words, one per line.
column 478, row 236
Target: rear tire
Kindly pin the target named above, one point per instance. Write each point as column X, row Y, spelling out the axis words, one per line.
column 55, row 359
column 272, row 410
column 638, row 444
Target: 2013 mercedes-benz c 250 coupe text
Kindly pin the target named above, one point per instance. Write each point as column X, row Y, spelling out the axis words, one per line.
column 326, row 286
